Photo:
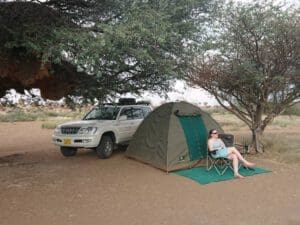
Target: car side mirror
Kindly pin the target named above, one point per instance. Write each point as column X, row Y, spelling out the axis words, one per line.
column 123, row 117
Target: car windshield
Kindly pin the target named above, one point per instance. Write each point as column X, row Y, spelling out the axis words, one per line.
column 103, row 113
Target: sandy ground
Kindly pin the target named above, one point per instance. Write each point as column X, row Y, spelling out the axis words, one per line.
column 39, row 186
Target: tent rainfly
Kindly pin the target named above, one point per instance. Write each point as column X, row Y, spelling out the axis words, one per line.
column 173, row 136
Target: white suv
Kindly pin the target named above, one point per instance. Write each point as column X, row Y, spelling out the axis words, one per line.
column 101, row 129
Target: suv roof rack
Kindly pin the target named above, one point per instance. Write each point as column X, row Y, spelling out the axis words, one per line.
column 126, row 101
column 143, row 103
column 108, row 103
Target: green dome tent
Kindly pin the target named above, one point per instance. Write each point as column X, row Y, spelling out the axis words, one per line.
column 173, row 136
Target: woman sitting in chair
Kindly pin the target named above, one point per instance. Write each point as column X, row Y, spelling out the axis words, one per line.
column 217, row 146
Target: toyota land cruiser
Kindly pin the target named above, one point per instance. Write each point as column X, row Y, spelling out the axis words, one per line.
column 101, row 129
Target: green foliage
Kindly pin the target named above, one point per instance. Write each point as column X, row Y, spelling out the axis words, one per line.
column 121, row 46
column 19, row 31
column 251, row 60
column 143, row 51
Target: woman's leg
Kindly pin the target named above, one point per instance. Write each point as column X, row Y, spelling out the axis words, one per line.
column 235, row 165
column 233, row 150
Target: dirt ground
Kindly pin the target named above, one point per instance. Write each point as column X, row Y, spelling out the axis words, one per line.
column 39, row 186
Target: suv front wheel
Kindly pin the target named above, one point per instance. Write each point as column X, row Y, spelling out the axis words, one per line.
column 105, row 148
column 68, row 151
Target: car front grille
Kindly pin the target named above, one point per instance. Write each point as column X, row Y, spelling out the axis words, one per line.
column 69, row 130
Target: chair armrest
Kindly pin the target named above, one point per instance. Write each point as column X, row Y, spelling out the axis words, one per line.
column 228, row 139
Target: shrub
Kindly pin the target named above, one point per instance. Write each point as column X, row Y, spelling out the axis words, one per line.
column 18, row 115
column 293, row 110
column 49, row 125
column 215, row 110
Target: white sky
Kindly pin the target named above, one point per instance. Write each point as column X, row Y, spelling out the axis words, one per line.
column 183, row 93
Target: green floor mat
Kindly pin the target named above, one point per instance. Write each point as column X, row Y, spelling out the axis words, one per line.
column 200, row 175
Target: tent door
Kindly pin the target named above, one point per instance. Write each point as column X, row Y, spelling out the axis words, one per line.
column 196, row 136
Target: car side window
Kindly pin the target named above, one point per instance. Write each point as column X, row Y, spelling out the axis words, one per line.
column 146, row 111
column 137, row 113
column 127, row 112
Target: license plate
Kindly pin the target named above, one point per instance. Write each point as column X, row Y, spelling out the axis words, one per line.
column 67, row 141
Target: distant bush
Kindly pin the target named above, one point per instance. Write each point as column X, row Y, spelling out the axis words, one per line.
column 19, row 114
column 293, row 110
column 49, row 125
column 52, row 114
column 72, row 114
column 281, row 123
column 215, row 110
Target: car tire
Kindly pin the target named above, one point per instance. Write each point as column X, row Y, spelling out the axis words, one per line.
column 105, row 147
column 68, row 151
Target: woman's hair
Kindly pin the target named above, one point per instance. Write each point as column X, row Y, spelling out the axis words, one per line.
column 210, row 132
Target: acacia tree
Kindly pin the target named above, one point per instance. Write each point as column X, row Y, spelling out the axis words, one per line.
column 119, row 45
column 251, row 65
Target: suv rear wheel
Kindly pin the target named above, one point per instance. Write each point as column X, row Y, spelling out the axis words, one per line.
column 68, row 151
column 105, row 148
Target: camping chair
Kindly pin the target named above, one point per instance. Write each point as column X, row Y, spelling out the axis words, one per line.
column 222, row 164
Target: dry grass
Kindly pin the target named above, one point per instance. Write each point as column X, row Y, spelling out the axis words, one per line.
column 283, row 147
column 50, row 117
column 281, row 138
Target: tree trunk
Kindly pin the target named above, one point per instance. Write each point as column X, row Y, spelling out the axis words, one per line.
column 257, row 140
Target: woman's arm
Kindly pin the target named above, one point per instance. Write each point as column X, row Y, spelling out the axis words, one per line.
column 211, row 146
column 222, row 143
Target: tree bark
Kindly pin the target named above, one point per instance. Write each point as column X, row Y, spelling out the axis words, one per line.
column 257, row 128
column 257, row 140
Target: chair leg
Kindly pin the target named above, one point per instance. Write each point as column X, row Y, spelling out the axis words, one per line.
column 209, row 163
column 220, row 165
column 221, row 171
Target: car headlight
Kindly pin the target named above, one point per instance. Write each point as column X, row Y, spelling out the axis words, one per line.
column 57, row 130
column 87, row 130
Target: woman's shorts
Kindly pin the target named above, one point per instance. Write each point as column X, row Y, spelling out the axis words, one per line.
column 221, row 153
